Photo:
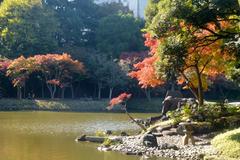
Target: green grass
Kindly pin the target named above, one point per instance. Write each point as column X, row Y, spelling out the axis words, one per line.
column 53, row 105
column 228, row 144
column 136, row 105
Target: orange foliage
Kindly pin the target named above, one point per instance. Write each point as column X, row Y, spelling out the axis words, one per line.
column 205, row 52
column 145, row 73
column 19, row 70
column 58, row 68
column 208, row 55
column 151, row 42
column 118, row 100
column 4, row 64
column 54, row 82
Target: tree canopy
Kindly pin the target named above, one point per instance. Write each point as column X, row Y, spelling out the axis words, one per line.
column 191, row 39
column 118, row 33
column 26, row 27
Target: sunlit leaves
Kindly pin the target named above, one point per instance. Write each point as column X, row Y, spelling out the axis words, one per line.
column 20, row 69
column 188, row 39
column 145, row 73
column 119, row 33
column 26, row 27
column 123, row 97
column 57, row 70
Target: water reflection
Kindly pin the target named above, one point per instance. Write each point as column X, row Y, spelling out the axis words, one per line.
column 50, row 136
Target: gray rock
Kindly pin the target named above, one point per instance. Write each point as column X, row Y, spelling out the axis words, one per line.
column 180, row 130
column 116, row 138
column 130, row 153
column 169, row 133
column 149, row 140
column 94, row 139
column 81, row 138
column 163, row 128
column 104, row 149
column 108, row 132
column 124, row 134
column 158, row 134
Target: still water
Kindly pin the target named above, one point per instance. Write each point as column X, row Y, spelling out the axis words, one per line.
column 50, row 135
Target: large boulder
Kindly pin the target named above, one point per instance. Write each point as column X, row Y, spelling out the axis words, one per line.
column 149, row 140
column 172, row 103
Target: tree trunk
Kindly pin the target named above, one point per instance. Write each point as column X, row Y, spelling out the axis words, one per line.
column 148, row 94
column 139, row 124
column 42, row 90
column 52, row 90
column 190, row 85
column 172, row 86
column 19, row 92
column 110, row 92
column 99, row 90
column 200, row 87
column 24, row 92
column 95, row 91
column 72, row 92
column 63, row 93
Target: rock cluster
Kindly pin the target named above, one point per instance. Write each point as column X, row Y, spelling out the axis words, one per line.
column 163, row 141
column 167, row 146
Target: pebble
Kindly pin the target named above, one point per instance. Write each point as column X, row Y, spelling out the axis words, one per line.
column 168, row 146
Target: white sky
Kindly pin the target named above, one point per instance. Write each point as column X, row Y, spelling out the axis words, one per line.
column 132, row 5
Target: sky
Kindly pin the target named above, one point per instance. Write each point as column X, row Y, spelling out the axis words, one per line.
column 132, row 5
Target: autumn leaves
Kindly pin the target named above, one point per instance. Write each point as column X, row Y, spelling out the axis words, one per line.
column 57, row 70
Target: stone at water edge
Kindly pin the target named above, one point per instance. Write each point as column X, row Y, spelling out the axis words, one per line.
column 104, row 149
column 108, row 132
column 81, row 138
column 118, row 139
column 124, row 134
column 94, row 139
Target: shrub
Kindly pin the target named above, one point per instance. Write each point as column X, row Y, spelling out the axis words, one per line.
column 175, row 116
column 108, row 142
column 100, row 134
column 228, row 143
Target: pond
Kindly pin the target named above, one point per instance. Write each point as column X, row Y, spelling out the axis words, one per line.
column 50, row 135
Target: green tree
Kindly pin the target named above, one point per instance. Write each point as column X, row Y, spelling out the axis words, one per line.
column 78, row 20
column 107, row 9
column 188, row 37
column 118, row 33
column 115, row 76
column 26, row 27
column 104, row 73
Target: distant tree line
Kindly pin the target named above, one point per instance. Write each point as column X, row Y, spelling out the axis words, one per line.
column 93, row 34
column 105, row 39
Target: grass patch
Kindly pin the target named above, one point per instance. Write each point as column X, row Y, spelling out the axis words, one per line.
column 137, row 105
column 53, row 105
column 228, row 144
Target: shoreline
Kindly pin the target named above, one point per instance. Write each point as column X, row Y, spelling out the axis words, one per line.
column 73, row 105
column 168, row 147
